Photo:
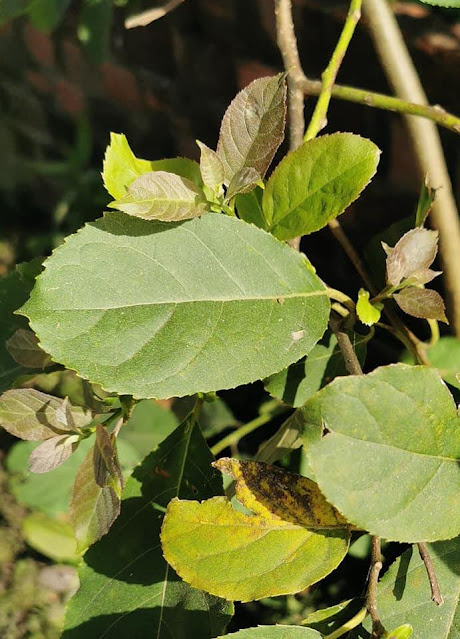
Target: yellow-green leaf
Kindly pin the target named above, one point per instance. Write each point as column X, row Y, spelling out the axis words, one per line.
column 245, row 557
column 368, row 313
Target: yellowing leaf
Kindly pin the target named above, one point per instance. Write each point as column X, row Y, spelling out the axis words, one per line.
column 244, row 557
column 276, row 494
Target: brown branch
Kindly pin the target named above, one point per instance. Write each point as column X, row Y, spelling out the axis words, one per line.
column 403, row 77
column 436, row 595
column 348, row 352
column 371, row 599
column 287, row 44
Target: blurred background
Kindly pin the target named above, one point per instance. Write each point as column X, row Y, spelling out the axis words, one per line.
column 71, row 72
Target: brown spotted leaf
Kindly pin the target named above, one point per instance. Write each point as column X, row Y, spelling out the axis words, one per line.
column 253, row 127
column 421, row 302
column 272, row 492
column 30, row 414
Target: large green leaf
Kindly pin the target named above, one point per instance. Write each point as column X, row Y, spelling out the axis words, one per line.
column 390, row 459
column 403, row 594
column 317, row 182
column 275, row 632
column 158, row 310
column 253, row 127
column 445, row 356
column 127, row 589
column 297, row 383
column 14, row 291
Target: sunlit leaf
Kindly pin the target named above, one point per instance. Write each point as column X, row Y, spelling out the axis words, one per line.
column 393, row 442
column 152, row 309
column 246, row 557
column 368, row 313
column 404, row 596
column 30, row 414
column 315, row 183
column 274, row 632
column 124, row 576
column 212, row 169
column 50, row 537
column 253, row 127
column 162, row 196
column 249, row 207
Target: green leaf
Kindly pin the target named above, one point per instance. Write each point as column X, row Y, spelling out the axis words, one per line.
column 425, row 201
column 95, row 503
column 50, row 537
column 445, row 356
column 211, row 167
column 124, row 576
column 274, row 632
column 296, row 384
column 139, row 321
column 24, row 349
column 14, row 291
column 421, row 302
column 51, row 492
column 368, row 313
column 253, row 127
column 246, row 557
column 315, row 183
column 122, row 167
column 452, row 4
column 107, row 469
column 162, row 196
column 328, row 620
column 286, row 439
column 402, row 632
column 30, row 414
column 393, row 447
column 404, row 594
column 249, row 207
column 148, row 425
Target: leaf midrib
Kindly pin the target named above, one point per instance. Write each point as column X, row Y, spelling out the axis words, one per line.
column 200, row 301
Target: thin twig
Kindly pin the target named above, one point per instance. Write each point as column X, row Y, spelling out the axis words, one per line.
column 403, row 77
column 234, row 437
column 287, row 44
column 348, row 352
column 436, row 595
column 385, row 102
column 319, row 117
column 371, row 600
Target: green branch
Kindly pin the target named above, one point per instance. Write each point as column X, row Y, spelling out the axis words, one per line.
column 319, row 118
